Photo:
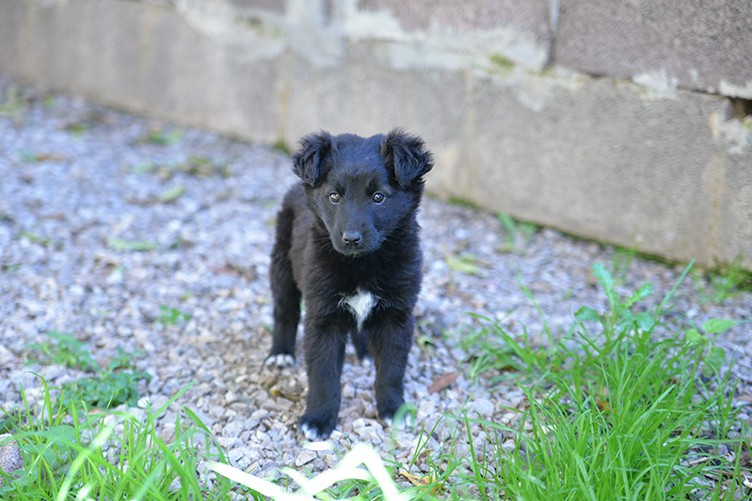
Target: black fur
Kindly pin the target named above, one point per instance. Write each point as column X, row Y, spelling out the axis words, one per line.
column 336, row 236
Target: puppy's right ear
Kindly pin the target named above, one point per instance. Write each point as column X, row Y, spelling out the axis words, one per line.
column 407, row 157
column 311, row 162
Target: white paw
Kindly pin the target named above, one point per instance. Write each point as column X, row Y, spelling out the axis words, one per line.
column 311, row 433
column 280, row 360
column 402, row 422
column 367, row 362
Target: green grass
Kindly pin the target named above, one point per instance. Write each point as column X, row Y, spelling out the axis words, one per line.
column 72, row 452
column 13, row 101
column 465, row 263
column 194, row 165
column 724, row 281
column 111, row 386
column 614, row 410
column 516, row 233
column 63, row 348
column 621, row 262
column 77, row 443
column 281, row 146
column 171, row 316
column 121, row 245
column 166, row 137
column 501, row 62
column 172, row 194
column 36, row 239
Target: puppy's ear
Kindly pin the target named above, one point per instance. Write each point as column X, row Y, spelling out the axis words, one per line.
column 407, row 157
column 311, row 162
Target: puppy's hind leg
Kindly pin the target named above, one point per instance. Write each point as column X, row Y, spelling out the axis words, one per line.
column 285, row 294
column 360, row 342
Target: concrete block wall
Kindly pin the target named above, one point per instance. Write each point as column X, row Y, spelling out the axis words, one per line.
column 628, row 122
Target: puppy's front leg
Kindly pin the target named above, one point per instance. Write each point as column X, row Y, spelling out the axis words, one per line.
column 324, row 345
column 389, row 340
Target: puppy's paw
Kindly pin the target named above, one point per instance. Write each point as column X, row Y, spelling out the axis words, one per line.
column 406, row 422
column 402, row 419
column 316, row 429
column 280, row 360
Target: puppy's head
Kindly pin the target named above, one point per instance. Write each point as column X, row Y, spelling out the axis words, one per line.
column 362, row 189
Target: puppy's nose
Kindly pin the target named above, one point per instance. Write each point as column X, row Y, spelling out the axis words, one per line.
column 352, row 237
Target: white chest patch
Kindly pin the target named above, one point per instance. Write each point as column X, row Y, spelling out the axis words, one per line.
column 360, row 305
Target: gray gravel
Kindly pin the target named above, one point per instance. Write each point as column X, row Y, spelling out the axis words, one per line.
column 74, row 177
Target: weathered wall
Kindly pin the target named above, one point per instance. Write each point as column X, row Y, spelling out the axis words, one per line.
column 623, row 121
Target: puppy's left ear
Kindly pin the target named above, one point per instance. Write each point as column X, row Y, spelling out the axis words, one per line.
column 407, row 157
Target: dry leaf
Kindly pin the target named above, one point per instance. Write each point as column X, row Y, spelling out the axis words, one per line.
column 465, row 263
column 602, row 400
column 423, row 481
column 442, row 382
column 286, row 395
column 247, row 272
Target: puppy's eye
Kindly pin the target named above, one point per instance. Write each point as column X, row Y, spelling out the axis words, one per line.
column 334, row 197
column 379, row 197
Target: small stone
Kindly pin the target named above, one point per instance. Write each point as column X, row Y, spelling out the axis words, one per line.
column 427, row 406
column 228, row 442
column 10, row 455
column 168, row 433
column 348, row 390
column 304, row 457
column 233, row 428
column 230, row 397
column 482, row 406
column 235, row 454
column 330, row 460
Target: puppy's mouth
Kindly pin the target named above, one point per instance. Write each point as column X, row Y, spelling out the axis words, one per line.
column 353, row 250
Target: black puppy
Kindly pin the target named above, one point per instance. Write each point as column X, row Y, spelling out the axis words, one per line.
column 347, row 242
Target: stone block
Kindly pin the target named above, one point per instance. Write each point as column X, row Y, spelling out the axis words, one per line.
column 695, row 45
column 149, row 59
column 607, row 160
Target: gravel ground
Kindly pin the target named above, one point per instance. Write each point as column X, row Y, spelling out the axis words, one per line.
column 77, row 180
